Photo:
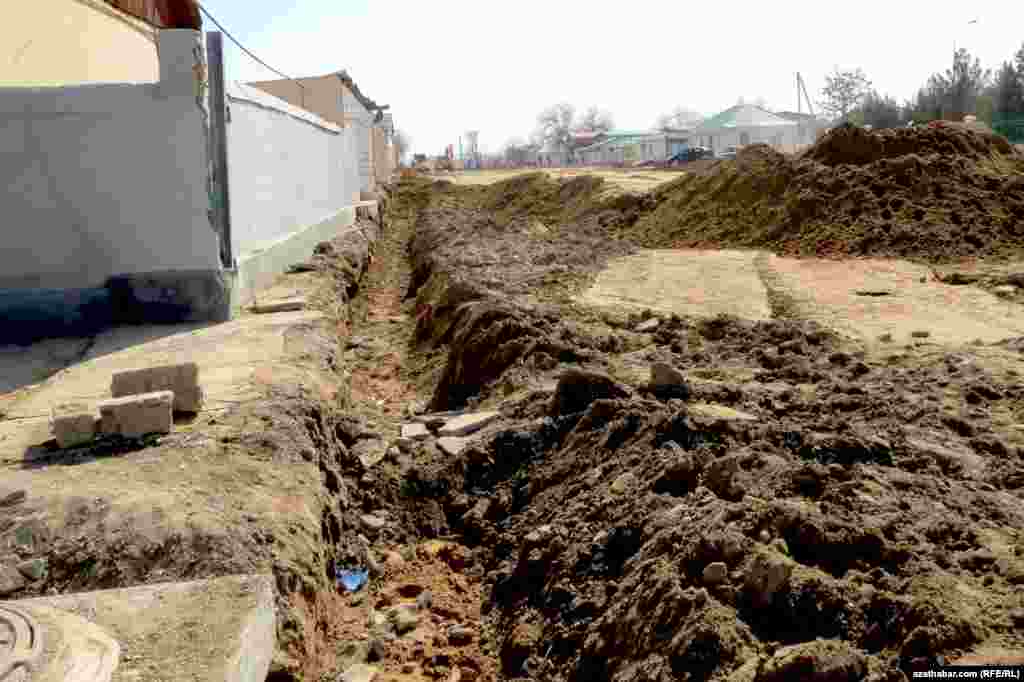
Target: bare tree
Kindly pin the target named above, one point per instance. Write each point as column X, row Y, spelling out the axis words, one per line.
column 555, row 126
column 680, row 117
column 593, row 119
column 843, row 92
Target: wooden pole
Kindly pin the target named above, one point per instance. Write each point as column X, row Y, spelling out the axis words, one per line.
column 219, row 144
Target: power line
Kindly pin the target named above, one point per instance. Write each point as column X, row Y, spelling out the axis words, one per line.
column 244, row 49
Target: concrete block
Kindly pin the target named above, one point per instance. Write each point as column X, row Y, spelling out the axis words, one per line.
column 137, row 415
column 415, row 431
column 467, row 424
column 282, row 306
column 451, row 445
column 73, row 424
column 219, row 630
column 182, row 380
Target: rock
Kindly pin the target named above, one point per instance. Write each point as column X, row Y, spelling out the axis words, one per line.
column 623, row 483
column 459, row 634
column 378, row 622
column 12, row 498
column 817, row 661
column 648, row 326
column 135, row 416
column 372, row 524
column 715, row 573
column 373, row 565
column 425, row 600
column 720, row 477
column 415, row 431
column 768, row 571
column 403, row 618
column 518, row 645
column 577, row 389
column 11, row 580
column 406, row 445
column 451, row 445
column 468, row 423
column 360, row 672
column 33, row 569
column 73, row 424
column 375, row 649
column 181, row 379
column 668, row 382
column 370, row 452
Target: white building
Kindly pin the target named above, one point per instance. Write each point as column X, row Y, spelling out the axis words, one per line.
column 746, row 124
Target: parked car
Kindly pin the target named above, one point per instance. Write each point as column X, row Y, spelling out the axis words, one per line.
column 728, row 153
column 690, row 154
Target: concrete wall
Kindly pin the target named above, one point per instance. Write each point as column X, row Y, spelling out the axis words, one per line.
column 288, row 169
column 64, row 42
column 99, row 180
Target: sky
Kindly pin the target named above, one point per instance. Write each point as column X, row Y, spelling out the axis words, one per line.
column 449, row 67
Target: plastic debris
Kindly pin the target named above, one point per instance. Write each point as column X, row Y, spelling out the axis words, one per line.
column 352, row 579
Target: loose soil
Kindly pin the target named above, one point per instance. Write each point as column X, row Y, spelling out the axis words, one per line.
column 937, row 194
column 793, row 505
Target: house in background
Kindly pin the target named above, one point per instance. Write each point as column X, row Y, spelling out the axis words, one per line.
column 625, row 147
column 61, row 42
column 746, row 124
column 336, row 98
column 809, row 128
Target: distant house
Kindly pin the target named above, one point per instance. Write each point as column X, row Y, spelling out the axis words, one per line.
column 809, row 126
column 746, row 124
column 634, row 146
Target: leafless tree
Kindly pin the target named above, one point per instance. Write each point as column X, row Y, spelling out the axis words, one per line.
column 555, row 125
column 680, row 117
column 593, row 119
column 843, row 92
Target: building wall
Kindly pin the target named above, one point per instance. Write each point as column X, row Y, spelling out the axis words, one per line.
column 64, row 42
column 288, row 169
column 781, row 137
column 98, row 180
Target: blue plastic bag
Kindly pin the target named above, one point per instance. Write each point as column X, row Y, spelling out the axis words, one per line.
column 352, row 579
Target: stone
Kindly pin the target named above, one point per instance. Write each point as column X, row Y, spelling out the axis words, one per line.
column 406, row 445
column 425, row 600
column 33, row 569
column 467, row 424
column 720, row 477
column 669, row 382
column 372, row 524
column 768, row 571
column 360, row 672
column 459, row 634
column 375, row 649
column 452, row 446
column 138, row 415
column 715, row 573
column 283, row 306
column 415, row 431
column 73, row 424
column 648, row 326
column 518, row 645
column 578, row 388
column 11, row 580
column 182, row 379
column 12, row 498
column 623, row 483
column 370, row 452
column 824, row 660
column 403, row 618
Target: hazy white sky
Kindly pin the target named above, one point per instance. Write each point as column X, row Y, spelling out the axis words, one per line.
column 450, row 66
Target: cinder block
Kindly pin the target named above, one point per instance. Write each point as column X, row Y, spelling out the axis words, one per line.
column 137, row 415
column 73, row 424
column 182, row 379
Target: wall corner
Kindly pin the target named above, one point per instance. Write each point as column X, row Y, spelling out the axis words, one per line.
column 182, row 61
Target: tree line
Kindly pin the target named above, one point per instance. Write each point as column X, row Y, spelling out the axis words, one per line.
column 963, row 88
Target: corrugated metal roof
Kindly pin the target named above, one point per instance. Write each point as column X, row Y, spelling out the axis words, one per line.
column 743, row 115
column 162, row 13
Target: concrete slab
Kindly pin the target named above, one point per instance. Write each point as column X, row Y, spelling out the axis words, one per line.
column 467, row 423
column 219, row 630
column 682, row 281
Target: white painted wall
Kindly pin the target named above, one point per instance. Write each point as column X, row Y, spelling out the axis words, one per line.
column 99, row 180
column 288, row 169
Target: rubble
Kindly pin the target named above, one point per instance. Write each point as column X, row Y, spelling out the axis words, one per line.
column 135, row 416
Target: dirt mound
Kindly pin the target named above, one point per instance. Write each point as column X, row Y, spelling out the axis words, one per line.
column 849, row 144
column 931, row 193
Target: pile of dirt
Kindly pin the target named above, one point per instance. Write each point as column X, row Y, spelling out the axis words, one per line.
column 933, row 193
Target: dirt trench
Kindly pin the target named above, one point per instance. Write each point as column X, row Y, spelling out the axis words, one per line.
column 775, row 503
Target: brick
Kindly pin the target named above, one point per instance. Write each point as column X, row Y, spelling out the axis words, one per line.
column 73, row 424
column 182, row 379
column 467, row 424
column 137, row 415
